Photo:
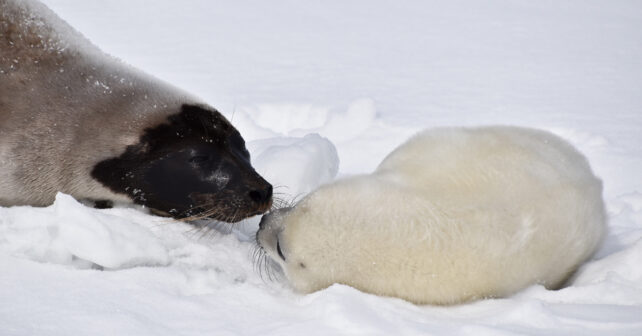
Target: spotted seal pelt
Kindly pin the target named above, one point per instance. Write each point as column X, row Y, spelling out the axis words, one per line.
column 77, row 121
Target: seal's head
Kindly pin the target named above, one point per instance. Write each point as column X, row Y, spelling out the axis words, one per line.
column 194, row 165
column 333, row 235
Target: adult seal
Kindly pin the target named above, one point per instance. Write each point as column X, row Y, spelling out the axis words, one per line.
column 77, row 121
column 452, row 215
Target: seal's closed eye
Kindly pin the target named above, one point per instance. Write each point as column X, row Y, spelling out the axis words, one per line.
column 278, row 250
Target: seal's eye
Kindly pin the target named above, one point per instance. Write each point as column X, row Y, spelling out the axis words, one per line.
column 278, row 250
column 238, row 145
column 199, row 159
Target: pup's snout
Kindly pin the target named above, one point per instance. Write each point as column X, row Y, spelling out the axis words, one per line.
column 273, row 218
column 264, row 220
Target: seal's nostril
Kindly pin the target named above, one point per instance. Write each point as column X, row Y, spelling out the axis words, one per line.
column 256, row 196
column 261, row 196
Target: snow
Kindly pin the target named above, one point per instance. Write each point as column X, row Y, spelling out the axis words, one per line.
column 72, row 234
column 297, row 164
column 327, row 89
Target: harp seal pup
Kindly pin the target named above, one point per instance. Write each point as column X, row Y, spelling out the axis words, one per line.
column 452, row 215
column 77, row 121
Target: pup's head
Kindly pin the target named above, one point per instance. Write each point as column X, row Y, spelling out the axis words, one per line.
column 193, row 166
column 345, row 233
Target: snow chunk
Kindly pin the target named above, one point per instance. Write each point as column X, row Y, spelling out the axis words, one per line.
column 621, row 265
column 104, row 239
column 297, row 120
column 70, row 233
column 359, row 117
column 298, row 165
column 285, row 119
column 361, row 136
column 632, row 201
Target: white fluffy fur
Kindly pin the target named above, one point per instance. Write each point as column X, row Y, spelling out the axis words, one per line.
column 450, row 216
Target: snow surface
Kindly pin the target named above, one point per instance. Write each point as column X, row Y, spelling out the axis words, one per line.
column 320, row 89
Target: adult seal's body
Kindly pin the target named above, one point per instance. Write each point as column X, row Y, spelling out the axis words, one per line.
column 452, row 215
column 75, row 120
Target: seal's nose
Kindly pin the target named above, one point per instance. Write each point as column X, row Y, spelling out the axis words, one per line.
column 262, row 196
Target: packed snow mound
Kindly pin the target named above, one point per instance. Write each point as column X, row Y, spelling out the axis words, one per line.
column 361, row 137
column 281, row 119
column 616, row 266
column 70, row 233
column 295, row 166
column 297, row 120
column 74, row 235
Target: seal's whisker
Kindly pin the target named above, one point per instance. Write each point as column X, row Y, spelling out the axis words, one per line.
column 264, row 266
column 196, row 230
column 212, row 207
column 259, row 267
column 280, row 203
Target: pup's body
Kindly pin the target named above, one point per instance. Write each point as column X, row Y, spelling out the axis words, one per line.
column 450, row 216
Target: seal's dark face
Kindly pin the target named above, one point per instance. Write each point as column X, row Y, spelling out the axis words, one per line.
column 195, row 166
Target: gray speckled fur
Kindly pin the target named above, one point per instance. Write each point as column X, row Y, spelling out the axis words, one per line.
column 65, row 106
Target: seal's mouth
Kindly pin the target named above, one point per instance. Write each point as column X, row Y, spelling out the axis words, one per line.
column 263, row 207
column 228, row 207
